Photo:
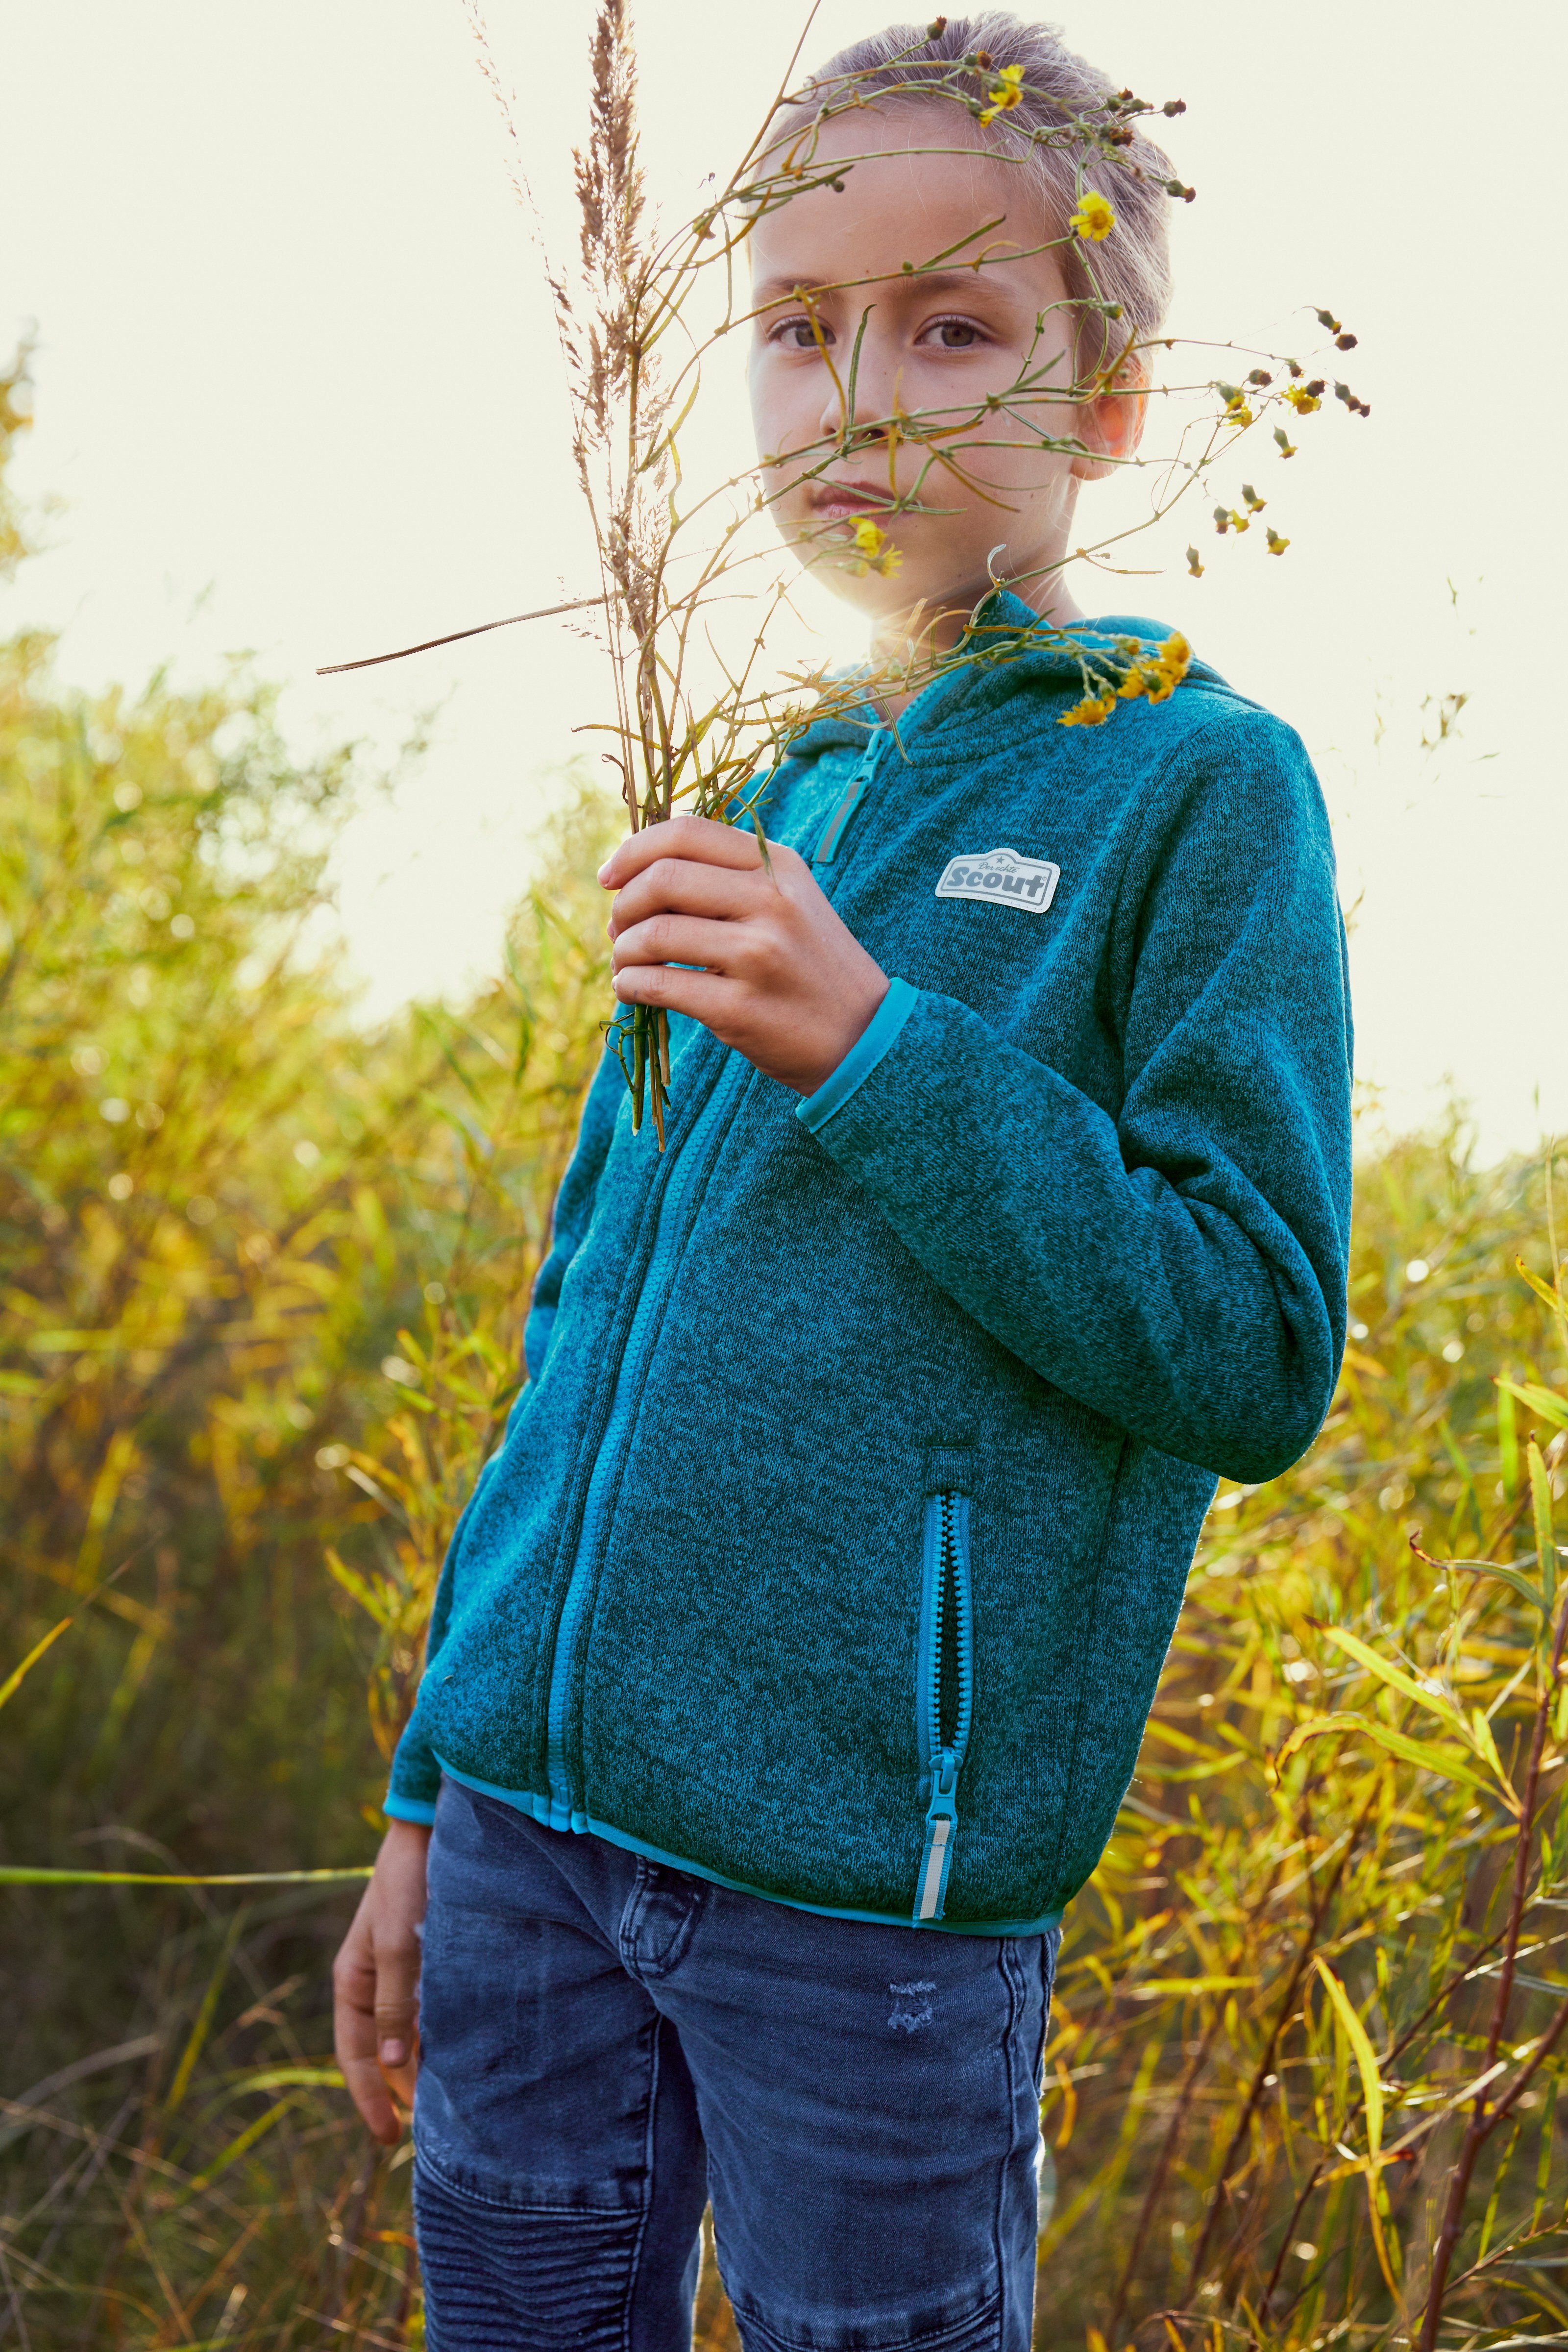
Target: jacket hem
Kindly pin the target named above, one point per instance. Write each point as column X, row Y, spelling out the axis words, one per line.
column 863, row 1056
column 538, row 1809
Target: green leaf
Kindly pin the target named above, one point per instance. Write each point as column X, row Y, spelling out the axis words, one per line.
column 1158, row 1988
column 1433, row 1702
column 1427, row 1755
column 285, row 2078
column 1512, row 1576
column 1544, row 1401
column 1508, row 1436
column 1543, row 1290
column 1361, row 2050
column 1482, row 1732
column 24, row 1875
column 373, row 1602
column 241, row 2145
column 1372, row 2092
column 18, row 1675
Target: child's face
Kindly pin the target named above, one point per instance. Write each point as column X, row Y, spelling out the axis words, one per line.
column 942, row 341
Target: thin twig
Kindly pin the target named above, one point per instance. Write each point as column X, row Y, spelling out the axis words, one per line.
column 1485, row 2120
column 545, row 612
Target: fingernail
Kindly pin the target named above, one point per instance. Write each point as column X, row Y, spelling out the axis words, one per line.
column 604, row 869
column 393, row 2053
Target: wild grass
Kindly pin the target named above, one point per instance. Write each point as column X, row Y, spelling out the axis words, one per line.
column 261, row 1324
column 265, row 1277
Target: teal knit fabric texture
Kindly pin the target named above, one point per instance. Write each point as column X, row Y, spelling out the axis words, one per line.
column 838, row 1537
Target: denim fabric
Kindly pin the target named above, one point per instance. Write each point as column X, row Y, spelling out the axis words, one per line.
column 607, row 2043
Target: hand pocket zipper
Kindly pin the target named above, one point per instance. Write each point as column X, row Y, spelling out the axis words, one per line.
column 944, row 1690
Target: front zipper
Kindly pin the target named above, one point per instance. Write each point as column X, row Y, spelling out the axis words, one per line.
column 684, row 1164
column 854, row 793
column 942, row 1715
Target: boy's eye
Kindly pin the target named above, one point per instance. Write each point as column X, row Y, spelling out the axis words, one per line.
column 952, row 334
column 797, row 334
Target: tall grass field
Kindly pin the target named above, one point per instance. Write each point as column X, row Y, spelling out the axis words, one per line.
column 265, row 1273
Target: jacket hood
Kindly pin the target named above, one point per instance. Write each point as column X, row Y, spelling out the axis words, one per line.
column 986, row 670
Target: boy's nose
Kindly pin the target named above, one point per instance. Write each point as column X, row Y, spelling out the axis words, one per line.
column 875, row 388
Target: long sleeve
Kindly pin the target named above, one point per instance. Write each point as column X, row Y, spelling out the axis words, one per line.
column 1180, row 1265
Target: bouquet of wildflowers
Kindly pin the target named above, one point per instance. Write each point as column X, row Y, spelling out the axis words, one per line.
column 691, row 580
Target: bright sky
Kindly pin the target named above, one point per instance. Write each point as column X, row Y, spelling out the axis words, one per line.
column 298, row 389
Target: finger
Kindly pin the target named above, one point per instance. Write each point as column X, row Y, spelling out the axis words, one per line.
column 354, row 2038
column 725, row 893
column 707, row 996
column 370, row 2095
column 702, row 839
column 397, row 1993
column 684, row 940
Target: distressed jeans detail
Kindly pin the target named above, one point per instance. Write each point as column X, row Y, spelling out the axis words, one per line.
column 607, row 2044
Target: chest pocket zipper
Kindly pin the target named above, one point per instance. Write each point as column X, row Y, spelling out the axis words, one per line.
column 944, row 1689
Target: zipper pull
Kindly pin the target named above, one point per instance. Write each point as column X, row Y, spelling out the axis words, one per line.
column 941, row 1826
column 832, row 831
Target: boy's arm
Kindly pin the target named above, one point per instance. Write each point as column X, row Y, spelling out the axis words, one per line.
column 415, row 1775
column 1179, row 1268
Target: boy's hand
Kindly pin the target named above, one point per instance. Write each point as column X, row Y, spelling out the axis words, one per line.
column 375, row 1978
column 783, row 980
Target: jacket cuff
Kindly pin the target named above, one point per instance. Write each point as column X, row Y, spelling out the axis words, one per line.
column 863, row 1056
column 415, row 1777
column 407, row 1808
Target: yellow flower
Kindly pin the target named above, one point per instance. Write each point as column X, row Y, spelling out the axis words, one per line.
column 887, row 562
column 1169, row 668
column 868, row 538
column 1276, row 545
column 1302, row 401
column 1094, row 218
column 1092, row 711
column 1237, row 409
column 1255, row 505
column 1194, row 565
column 1007, row 92
column 1132, row 685
column 1287, row 447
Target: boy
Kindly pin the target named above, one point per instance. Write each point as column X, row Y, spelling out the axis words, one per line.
column 790, row 1661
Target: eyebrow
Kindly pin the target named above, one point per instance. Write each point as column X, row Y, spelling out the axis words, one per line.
column 772, row 290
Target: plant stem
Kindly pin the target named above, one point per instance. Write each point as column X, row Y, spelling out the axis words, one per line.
column 1484, row 2120
column 1266, row 2058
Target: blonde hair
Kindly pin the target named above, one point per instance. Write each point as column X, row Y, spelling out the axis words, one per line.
column 1131, row 267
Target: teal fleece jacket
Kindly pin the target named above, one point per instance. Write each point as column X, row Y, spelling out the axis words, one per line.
column 838, row 1537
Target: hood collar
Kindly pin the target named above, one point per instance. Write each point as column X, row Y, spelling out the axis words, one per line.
column 967, row 684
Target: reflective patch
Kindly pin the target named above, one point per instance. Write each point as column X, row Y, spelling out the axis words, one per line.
column 1001, row 875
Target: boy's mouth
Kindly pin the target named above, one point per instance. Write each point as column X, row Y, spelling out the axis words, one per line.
column 838, row 501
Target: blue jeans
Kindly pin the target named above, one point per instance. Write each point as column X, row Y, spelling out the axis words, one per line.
column 607, row 2043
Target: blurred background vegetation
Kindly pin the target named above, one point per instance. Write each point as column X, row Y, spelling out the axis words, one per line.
column 264, row 1275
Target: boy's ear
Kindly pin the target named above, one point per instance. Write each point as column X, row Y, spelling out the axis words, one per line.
column 1111, row 420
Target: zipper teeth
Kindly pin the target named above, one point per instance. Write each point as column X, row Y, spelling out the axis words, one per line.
column 947, row 1564
column 939, row 1615
column 963, row 1632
